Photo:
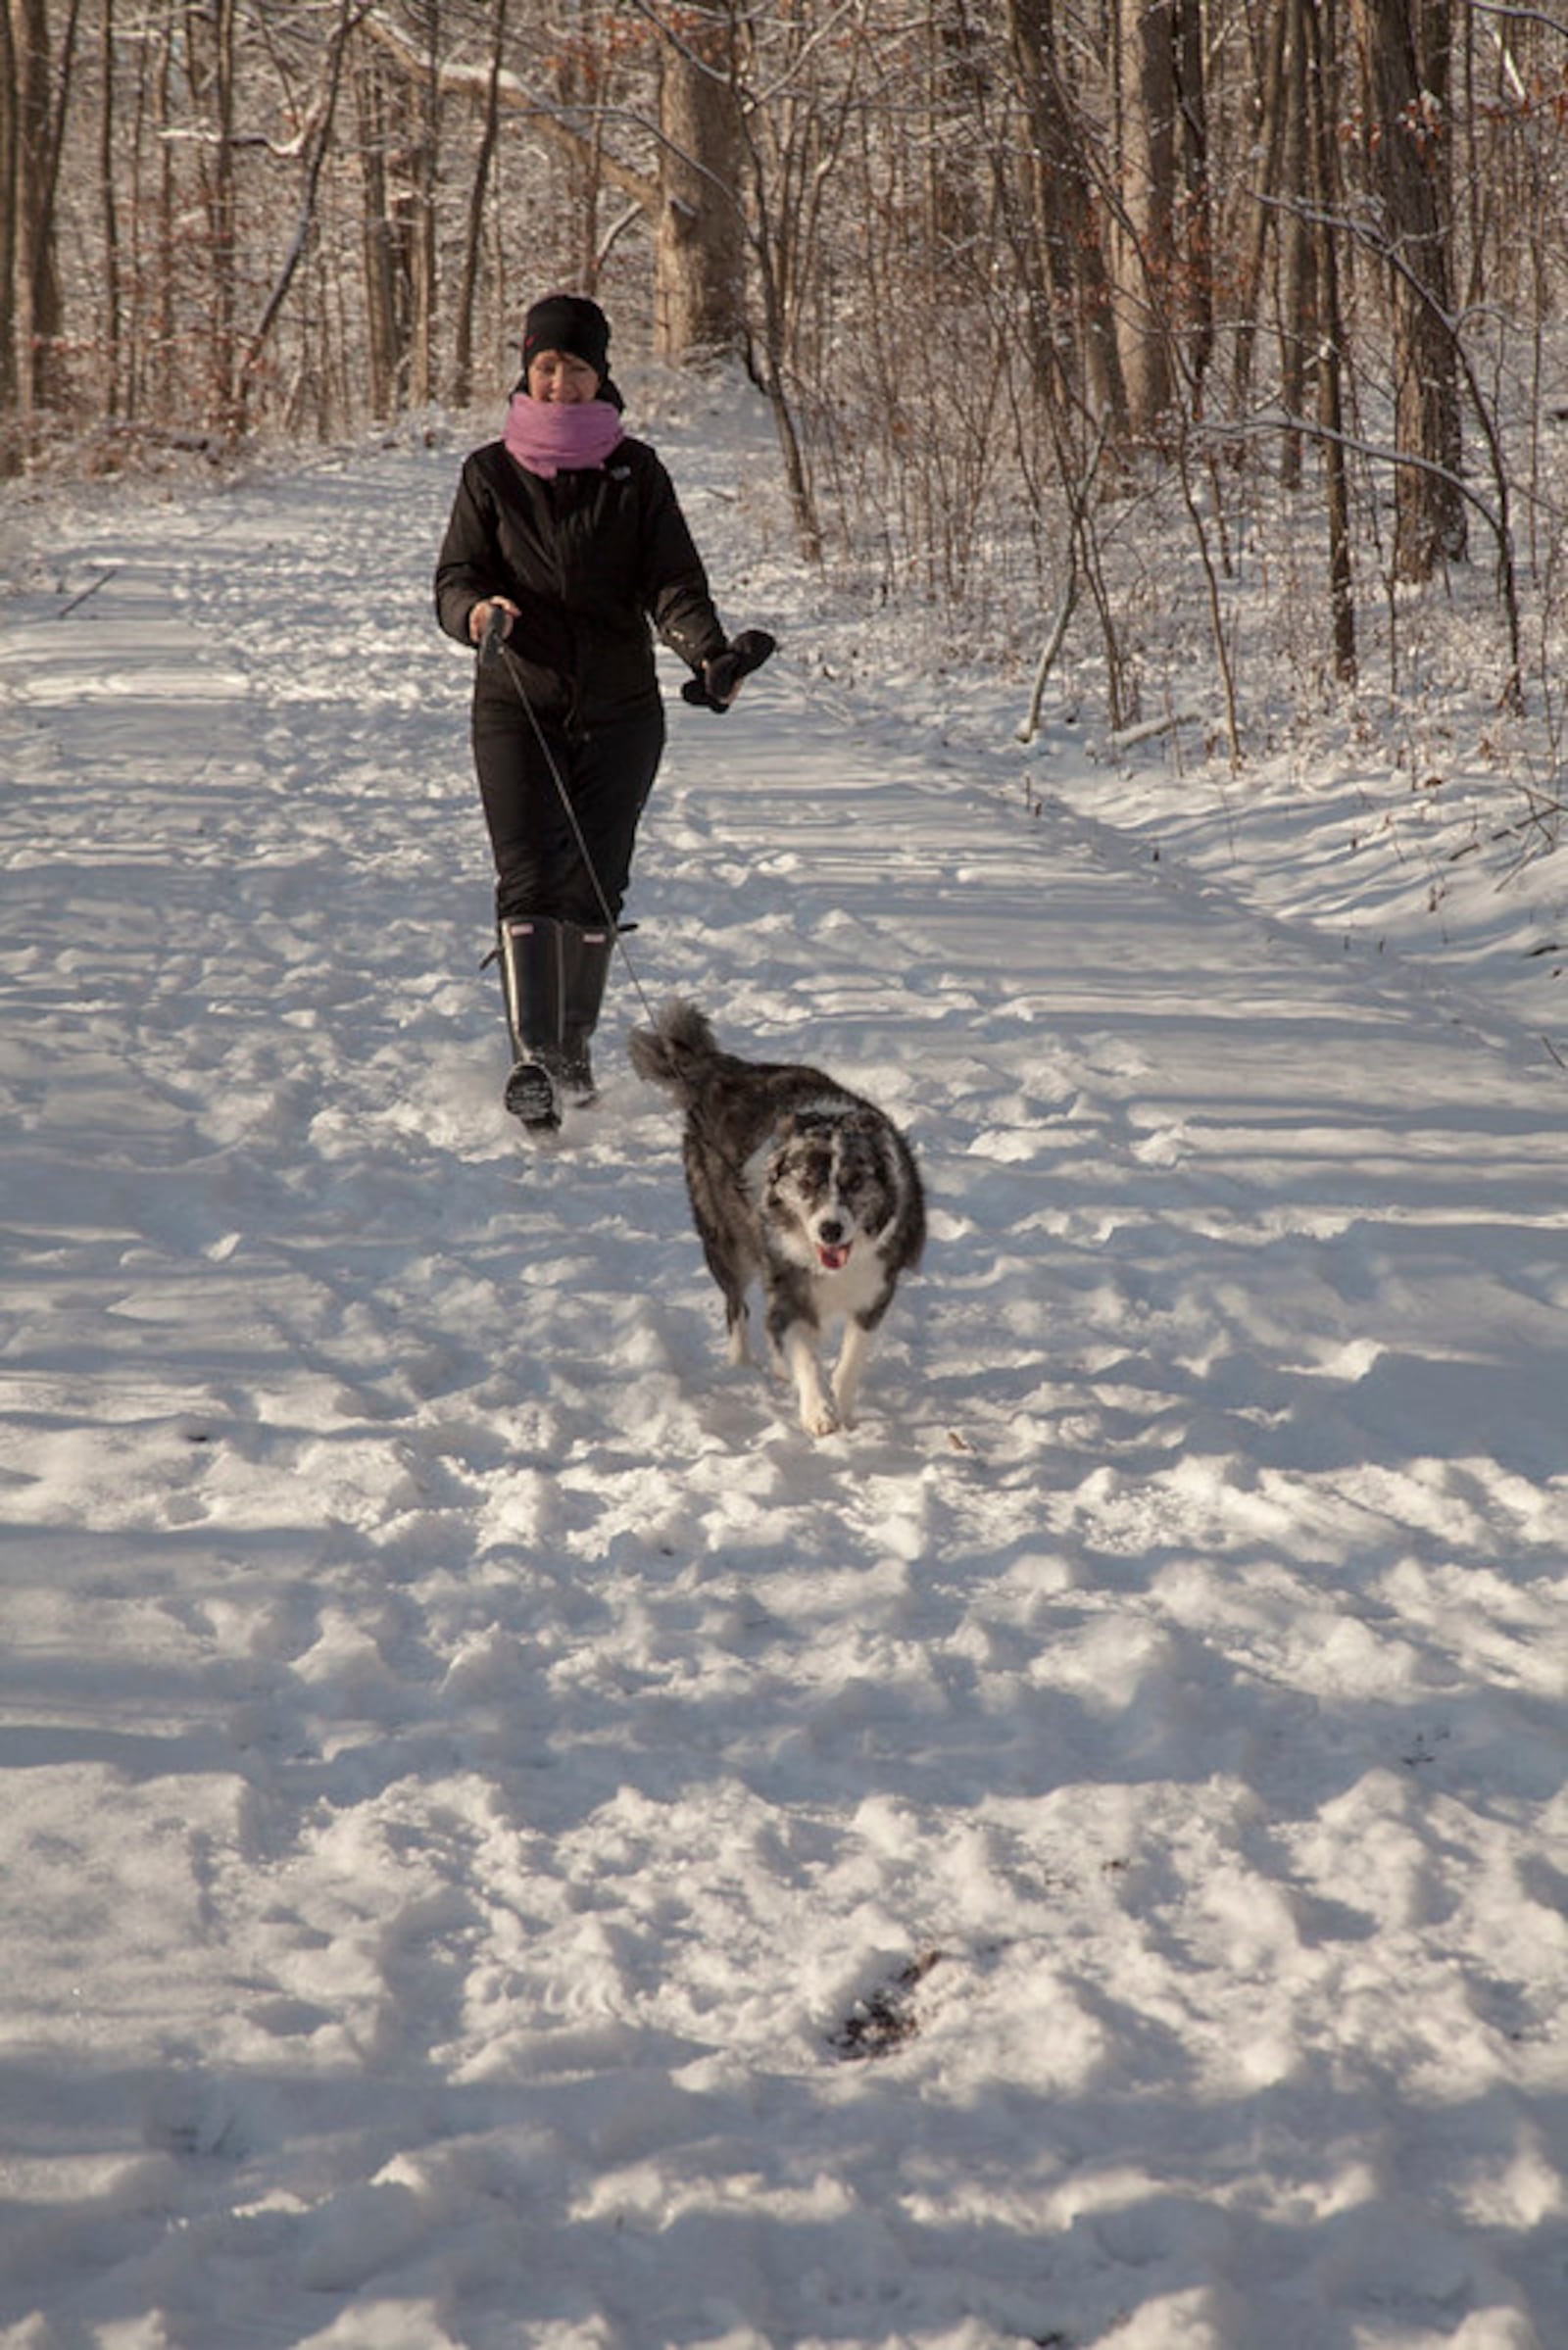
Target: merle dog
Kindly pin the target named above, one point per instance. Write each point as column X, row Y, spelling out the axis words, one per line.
column 798, row 1184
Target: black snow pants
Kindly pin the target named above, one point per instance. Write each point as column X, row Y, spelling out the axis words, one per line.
column 607, row 772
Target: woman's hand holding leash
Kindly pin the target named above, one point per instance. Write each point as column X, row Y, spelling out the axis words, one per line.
column 491, row 619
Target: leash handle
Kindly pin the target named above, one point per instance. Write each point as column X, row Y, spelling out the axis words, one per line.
column 495, row 631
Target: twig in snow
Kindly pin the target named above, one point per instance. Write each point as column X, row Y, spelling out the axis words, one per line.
column 102, row 581
column 885, row 2017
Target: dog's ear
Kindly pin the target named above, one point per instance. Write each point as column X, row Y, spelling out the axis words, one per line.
column 796, row 1124
column 865, row 1118
column 787, row 1135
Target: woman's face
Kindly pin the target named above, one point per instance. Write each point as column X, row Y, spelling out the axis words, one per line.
column 559, row 375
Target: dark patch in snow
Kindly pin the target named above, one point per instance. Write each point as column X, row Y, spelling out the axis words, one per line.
column 885, row 2017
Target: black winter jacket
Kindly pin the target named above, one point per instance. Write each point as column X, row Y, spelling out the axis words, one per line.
column 590, row 559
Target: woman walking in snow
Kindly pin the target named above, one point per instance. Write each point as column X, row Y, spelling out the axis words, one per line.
column 566, row 541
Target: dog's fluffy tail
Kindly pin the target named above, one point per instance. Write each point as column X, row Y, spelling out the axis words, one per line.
column 678, row 1046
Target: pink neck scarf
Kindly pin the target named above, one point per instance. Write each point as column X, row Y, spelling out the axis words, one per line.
column 554, row 436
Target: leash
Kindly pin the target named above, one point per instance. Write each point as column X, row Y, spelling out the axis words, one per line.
column 495, row 642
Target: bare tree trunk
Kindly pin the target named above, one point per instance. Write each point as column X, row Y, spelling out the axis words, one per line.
column 226, row 257
column 133, row 333
column 1405, row 81
column 384, row 246
column 1330, row 342
column 1299, row 241
column 210, row 70
column 1194, row 220
column 1067, row 229
column 10, row 254
column 768, row 363
column 164, row 372
column 699, row 252
column 422, row 253
column 114, row 309
column 474, row 239
column 41, row 130
column 1144, row 246
column 1269, row 114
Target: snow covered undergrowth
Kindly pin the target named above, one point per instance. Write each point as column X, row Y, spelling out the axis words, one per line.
column 509, row 1844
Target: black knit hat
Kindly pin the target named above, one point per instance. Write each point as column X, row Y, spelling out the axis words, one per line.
column 567, row 323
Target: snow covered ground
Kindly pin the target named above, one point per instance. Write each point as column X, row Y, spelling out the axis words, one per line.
column 507, row 1843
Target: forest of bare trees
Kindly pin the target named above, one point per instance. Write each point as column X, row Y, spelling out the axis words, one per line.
column 1022, row 281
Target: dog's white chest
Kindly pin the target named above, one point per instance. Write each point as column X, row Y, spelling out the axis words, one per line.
column 853, row 1286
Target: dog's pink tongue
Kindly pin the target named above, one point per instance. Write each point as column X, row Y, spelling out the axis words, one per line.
column 834, row 1260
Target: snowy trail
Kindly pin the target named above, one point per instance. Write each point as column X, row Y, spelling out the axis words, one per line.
column 509, row 1843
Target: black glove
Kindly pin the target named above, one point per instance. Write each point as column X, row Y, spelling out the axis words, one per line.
column 716, row 686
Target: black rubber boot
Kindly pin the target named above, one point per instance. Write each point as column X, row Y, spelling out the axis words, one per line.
column 530, row 979
column 585, row 958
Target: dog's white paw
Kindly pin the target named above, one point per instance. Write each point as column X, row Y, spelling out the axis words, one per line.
column 820, row 1420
